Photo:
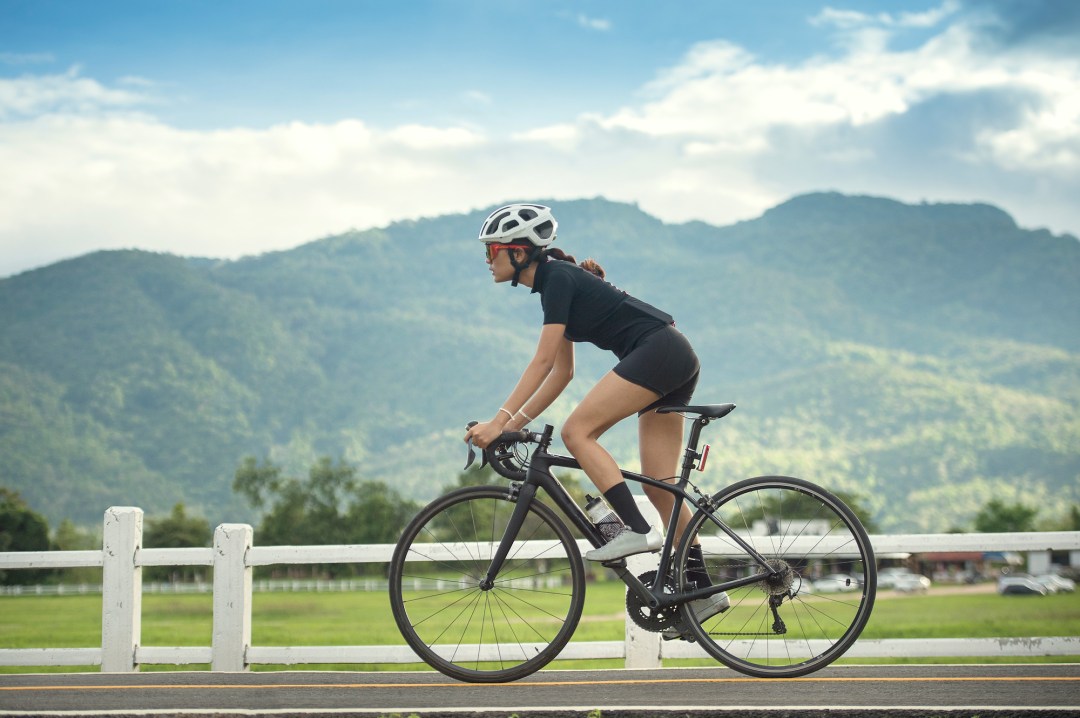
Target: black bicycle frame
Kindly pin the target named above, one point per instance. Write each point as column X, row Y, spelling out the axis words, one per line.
column 539, row 476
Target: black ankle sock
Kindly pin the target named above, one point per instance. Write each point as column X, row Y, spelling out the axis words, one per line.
column 695, row 567
column 622, row 501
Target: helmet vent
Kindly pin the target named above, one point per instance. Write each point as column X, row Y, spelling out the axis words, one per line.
column 510, row 225
column 493, row 225
column 544, row 229
column 528, row 215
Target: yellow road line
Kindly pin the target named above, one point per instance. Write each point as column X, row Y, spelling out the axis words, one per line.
column 557, row 684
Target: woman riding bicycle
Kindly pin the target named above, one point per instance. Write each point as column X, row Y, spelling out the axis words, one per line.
column 657, row 367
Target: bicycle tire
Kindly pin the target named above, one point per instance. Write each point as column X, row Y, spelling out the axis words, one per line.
column 810, row 533
column 485, row 636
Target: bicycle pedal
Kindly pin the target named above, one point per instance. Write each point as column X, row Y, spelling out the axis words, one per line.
column 686, row 636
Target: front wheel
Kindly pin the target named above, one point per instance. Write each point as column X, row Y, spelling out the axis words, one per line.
column 812, row 602
column 476, row 632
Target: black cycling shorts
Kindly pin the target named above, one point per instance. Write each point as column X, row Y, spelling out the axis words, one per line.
column 665, row 363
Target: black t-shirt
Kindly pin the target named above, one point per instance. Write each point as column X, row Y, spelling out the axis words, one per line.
column 593, row 310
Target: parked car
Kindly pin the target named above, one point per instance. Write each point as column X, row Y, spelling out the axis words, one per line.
column 1056, row 584
column 911, row 583
column 1020, row 586
column 887, row 577
column 836, row 583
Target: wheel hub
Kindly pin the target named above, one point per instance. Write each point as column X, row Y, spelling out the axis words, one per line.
column 779, row 583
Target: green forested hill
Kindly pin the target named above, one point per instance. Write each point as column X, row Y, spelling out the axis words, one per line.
column 926, row 357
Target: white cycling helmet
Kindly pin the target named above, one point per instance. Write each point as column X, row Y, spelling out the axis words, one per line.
column 532, row 223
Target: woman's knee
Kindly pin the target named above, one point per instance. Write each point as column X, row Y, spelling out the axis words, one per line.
column 654, row 494
column 573, row 435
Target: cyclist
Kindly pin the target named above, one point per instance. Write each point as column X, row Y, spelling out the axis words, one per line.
column 657, row 366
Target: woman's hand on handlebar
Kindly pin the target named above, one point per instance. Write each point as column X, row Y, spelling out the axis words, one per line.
column 483, row 434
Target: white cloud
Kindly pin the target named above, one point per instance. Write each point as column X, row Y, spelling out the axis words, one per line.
column 123, row 181
column 419, row 137
column 724, row 135
column 721, row 136
column 594, row 23
column 851, row 19
column 68, row 92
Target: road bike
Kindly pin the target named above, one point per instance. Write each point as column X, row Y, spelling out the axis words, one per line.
column 487, row 583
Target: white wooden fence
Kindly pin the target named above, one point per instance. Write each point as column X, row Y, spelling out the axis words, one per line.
column 233, row 556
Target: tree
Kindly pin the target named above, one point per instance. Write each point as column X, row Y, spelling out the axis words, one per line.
column 378, row 514
column 177, row 530
column 806, row 507
column 997, row 517
column 332, row 506
column 21, row 529
column 257, row 483
column 69, row 537
column 855, row 503
column 1072, row 523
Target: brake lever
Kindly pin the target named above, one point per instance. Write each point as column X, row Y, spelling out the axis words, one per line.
column 472, row 450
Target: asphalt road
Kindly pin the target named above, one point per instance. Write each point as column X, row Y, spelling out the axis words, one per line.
column 842, row 691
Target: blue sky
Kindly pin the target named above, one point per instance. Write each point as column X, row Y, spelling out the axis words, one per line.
column 233, row 128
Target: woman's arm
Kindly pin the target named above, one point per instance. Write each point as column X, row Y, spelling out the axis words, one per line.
column 551, row 345
column 549, row 391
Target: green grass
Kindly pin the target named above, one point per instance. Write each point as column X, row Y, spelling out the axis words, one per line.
column 327, row 619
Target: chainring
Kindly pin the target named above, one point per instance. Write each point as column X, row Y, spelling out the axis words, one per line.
column 651, row 619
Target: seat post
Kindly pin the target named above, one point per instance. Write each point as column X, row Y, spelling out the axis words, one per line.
column 692, row 455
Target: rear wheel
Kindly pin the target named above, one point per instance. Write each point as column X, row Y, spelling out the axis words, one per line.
column 480, row 633
column 822, row 585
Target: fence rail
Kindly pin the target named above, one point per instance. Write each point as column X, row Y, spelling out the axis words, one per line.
column 233, row 557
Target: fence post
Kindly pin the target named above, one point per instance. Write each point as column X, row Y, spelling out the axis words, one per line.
column 121, row 580
column 232, row 598
column 642, row 647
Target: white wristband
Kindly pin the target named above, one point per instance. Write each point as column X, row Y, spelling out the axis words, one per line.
column 507, row 412
column 522, row 412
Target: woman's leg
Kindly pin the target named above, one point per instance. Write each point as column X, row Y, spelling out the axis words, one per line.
column 610, row 401
column 660, row 438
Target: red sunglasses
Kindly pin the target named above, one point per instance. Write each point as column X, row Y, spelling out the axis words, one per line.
column 493, row 249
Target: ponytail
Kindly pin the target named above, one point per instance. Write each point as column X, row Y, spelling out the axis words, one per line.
column 589, row 265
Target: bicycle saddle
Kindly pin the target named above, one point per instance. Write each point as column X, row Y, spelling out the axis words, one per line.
column 712, row 411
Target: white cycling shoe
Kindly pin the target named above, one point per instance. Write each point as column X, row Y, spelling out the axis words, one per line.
column 626, row 544
column 704, row 609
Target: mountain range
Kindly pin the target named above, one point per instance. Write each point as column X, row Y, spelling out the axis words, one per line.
column 923, row 357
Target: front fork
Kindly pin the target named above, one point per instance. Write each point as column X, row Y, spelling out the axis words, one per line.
column 525, row 493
